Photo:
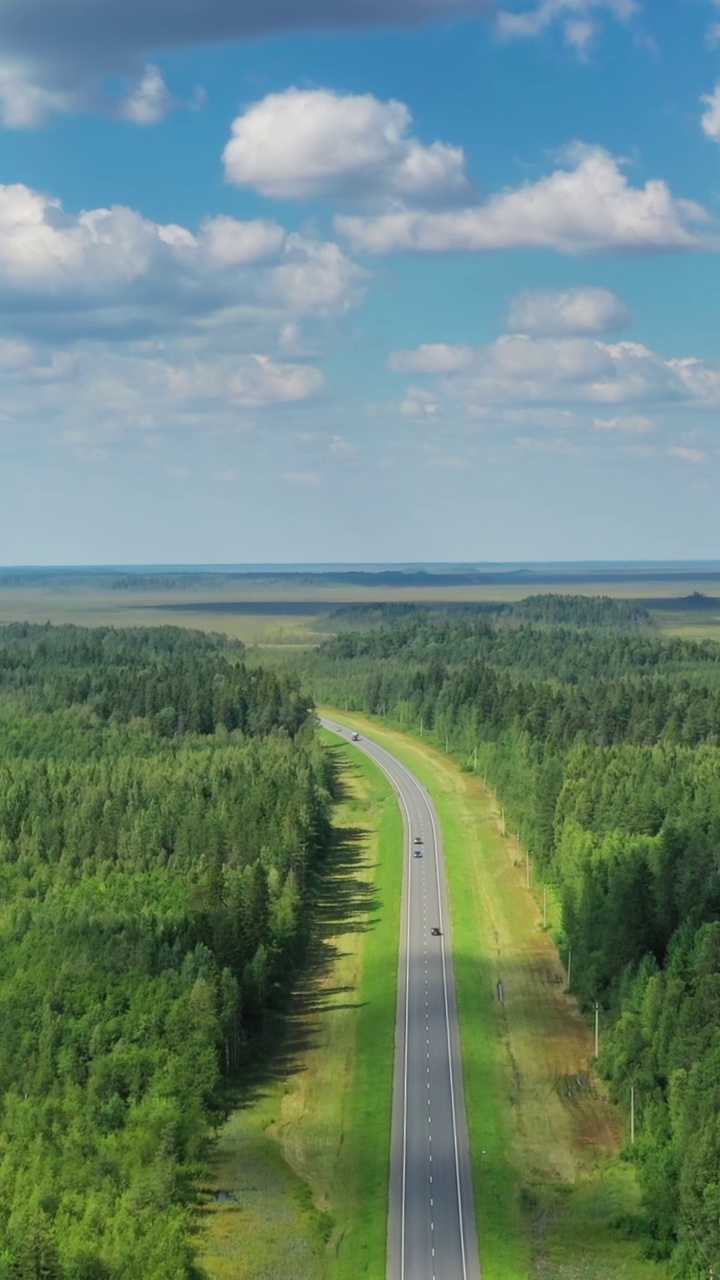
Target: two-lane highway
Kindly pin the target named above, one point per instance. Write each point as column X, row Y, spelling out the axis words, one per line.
column 432, row 1233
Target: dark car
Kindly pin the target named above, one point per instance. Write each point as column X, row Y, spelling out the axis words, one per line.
column 417, row 840
column 436, row 933
column 418, row 853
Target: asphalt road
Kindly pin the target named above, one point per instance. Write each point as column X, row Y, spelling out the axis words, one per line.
column 432, row 1231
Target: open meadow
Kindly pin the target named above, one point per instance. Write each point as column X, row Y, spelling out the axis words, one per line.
column 293, row 611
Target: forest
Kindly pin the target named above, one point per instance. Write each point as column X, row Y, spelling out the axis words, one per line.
column 164, row 816
column 603, row 743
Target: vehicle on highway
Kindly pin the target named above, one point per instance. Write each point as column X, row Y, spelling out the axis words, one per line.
column 418, row 853
column 417, row 840
column 356, row 737
column 436, row 933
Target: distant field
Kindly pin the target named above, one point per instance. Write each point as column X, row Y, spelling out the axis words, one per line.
column 288, row 612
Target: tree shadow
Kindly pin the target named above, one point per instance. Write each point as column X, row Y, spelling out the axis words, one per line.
column 345, row 904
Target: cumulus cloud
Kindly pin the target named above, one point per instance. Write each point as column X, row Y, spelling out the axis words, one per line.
column 432, row 357
column 589, row 208
column 710, row 119
column 419, row 403
column 576, row 19
column 520, row 369
column 58, row 55
column 248, row 382
column 572, row 311
column 148, row 390
column 305, row 143
column 114, row 271
column 150, row 101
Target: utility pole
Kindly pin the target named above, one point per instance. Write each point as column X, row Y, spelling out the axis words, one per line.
column 474, row 759
column 632, row 1114
column 569, row 964
column 597, row 1028
column 421, row 726
column 544, row 906
column 446, row 744
column 527, row 869
column 502, row 821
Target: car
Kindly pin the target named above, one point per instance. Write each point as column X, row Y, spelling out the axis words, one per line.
column 418, row 853
column 417, row 840
column 356, row 737
column 436, row 933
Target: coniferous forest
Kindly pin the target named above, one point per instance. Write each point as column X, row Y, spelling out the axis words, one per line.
column 163, row 814
column 602, row 738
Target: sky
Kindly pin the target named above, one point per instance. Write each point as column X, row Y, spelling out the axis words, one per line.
column 359, row 280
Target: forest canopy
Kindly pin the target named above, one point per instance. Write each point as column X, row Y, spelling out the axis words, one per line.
column 164, row 812
column 603, row 742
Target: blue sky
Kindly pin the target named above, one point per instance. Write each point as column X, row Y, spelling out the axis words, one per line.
column 412, row 280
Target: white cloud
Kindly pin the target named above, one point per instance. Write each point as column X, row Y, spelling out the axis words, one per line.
column 590, row 208
column 305, row 143
column 629, row 424
column 316, row 278
column 432, row 357
column 693, row 456
column 710, row 120
column 573, row 311
column 573, row 16
column 114, row 271
column 519, row 369
column 149, row 390
column 419, row 403
column 231, row 243
column 254, row 381
column 25, row 104
column 150, row 101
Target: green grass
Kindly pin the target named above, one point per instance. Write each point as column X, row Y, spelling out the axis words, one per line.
column 308, row 1149
column 361, row 1197
column 550, row 1185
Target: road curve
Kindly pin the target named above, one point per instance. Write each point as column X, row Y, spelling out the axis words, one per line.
column 432, row 1233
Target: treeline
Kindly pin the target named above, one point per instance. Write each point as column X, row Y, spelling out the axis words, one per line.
column 571, row 611
column 156, row 881
column 605, row 749
column 579, row 611
column 181, row 681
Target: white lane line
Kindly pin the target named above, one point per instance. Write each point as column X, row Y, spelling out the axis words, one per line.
column 397, row 766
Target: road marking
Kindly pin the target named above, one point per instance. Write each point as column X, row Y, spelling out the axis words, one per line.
column 397, row 768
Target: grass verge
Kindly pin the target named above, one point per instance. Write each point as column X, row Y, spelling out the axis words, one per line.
column 544, row 1139
column 307, row 1149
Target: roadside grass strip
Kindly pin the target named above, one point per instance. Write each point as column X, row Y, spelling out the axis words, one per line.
column 307, row 1151
column 550, row 1189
